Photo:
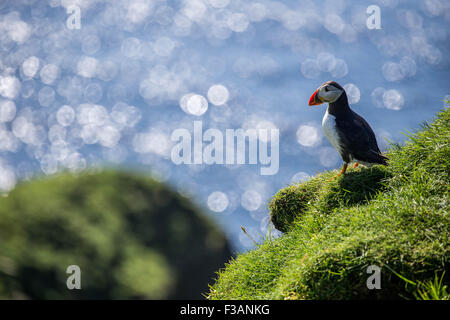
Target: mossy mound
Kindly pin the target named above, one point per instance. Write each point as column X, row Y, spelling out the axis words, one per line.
column 325, row 194
column 131, row 236
column 393, row 217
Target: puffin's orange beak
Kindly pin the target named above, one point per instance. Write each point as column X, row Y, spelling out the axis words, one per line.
column 315, row 100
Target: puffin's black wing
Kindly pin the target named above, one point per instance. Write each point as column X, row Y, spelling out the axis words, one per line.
column 357, row 139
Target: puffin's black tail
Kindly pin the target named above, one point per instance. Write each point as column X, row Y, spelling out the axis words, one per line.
column 379, row 158
column 384, row 160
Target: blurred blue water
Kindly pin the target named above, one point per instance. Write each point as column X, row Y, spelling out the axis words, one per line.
column 110, row 93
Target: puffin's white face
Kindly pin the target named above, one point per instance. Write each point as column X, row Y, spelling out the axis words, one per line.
column 326, row 93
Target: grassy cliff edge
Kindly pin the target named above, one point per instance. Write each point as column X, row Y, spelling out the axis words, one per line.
column 393, row 217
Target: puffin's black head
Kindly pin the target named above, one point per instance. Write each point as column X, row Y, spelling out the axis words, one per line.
column 328, row 92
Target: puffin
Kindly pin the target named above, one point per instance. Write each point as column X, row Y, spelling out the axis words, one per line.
column 347, row 131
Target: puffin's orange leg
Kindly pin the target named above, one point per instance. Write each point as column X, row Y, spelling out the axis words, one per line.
column 344, row 168
column 355, row 165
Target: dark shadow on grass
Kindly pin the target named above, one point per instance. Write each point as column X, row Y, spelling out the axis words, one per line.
column 361, row 185
column 355, row 187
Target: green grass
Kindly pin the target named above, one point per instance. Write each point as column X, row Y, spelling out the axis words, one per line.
column 395, row 217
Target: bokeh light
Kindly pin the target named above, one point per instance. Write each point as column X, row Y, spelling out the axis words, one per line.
column 217, row 201
column 308, row 135
column 113, row 91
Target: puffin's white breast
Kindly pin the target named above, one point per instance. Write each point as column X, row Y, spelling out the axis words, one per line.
column 329, row 128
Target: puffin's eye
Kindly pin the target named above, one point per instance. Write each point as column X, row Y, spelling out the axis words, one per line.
column 326, row 89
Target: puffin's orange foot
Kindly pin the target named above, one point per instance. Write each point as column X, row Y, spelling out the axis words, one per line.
column 355, row 165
